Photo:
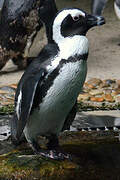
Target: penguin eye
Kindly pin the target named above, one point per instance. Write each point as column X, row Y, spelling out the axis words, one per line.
column 76, row 18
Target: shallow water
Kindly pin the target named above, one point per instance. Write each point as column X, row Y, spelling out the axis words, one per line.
column 97, row 119
column 83, row 120
column 4, row 127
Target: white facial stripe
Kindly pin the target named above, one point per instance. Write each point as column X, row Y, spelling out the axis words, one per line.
column 18, row 107
column 73, row 12
column 59, row 19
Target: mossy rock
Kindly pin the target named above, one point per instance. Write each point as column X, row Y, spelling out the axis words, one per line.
column 96, row 156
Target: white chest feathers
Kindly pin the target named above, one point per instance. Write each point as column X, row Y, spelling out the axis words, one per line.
column 69, row 47
column 58, row 101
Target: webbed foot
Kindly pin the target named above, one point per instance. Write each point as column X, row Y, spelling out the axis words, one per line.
column 54, row 154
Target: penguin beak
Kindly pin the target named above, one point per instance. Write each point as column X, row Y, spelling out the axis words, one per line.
column 95, row 20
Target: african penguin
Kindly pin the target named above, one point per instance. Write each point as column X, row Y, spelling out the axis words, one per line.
column 117, row 8
column 20, row 21
column 48, row 89
column 98, row 6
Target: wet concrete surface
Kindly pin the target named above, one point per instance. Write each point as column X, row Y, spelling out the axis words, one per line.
column 83, row 120
column 97, row 119
column 4, row 127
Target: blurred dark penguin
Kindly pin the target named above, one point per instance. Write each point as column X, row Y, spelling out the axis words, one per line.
column 98, row 7
column 47, row 13
column 47, row 91
column 117, row 8
column 1, row 4
column 19, row 24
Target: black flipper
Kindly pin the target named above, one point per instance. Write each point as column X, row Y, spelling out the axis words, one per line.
column 27, row 89
column 24, row 96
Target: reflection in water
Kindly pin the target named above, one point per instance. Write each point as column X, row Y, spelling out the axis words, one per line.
column 4, row 127
column 103, row 122
column 82, row 121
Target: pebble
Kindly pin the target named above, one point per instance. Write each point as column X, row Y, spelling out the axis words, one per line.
column 94, row 92
column 101, row 91
column 84, row 97
column 109, row 98
column 97, row 99
column 94, row 82
column 7, row 94
column 118, row 99
column 118, row 82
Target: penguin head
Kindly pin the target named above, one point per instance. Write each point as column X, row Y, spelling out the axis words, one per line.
column 73, row 21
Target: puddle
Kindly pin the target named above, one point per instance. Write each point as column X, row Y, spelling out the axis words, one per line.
column 101, row 120
column 4, row 127
column 94, row 120
column 83, row 120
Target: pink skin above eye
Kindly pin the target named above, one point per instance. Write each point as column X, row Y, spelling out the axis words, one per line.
column 76, row 18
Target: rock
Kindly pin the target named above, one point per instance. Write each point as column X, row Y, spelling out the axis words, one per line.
column 83, row 97
column 104, row 85
column 94, row 81
column 7, row 89
column 109, row 98
column 14, row 86
column 107, row 91
column 114, row 86
column 4, row 92
column 94, row 92
column 7, row 102
column 117, row 99
column 109, row 81
column 88, row 86
column 118, row 82
column 116, row 92
column 97, row 99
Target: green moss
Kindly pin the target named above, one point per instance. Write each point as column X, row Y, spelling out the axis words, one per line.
column 82, row 106
column 86, row 106
column 7, row 109
column 16, row 166
column 95, row 156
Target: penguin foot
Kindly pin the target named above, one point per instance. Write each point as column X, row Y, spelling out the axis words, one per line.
column 54, row 154
column 54, row 151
